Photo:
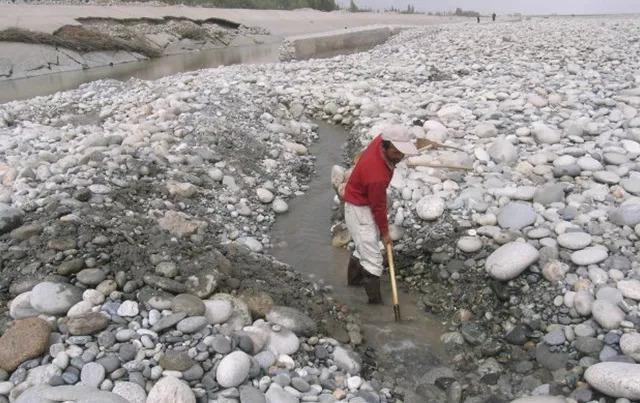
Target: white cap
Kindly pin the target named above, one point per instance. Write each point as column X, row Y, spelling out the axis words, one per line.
column 399, row 136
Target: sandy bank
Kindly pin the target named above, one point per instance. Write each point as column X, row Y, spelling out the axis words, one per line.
column 49, row 18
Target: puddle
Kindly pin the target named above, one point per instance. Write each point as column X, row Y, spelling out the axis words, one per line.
column 302, row 239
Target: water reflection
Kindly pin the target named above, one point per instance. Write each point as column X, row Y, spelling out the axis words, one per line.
column 25, row 88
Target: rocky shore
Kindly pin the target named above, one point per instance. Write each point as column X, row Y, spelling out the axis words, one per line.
column 120, row 198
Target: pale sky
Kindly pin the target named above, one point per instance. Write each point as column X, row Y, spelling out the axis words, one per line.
column 512, row 6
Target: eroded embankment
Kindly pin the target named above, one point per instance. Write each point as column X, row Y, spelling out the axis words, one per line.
column 106, row 41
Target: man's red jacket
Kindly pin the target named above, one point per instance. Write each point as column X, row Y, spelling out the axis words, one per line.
column 367, row 185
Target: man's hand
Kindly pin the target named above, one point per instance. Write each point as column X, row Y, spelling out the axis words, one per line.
column 386, row 239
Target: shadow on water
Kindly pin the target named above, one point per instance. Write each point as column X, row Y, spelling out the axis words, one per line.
column 24, row 88
column 302, row 239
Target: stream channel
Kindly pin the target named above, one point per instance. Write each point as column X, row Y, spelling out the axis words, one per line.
column 405, row 350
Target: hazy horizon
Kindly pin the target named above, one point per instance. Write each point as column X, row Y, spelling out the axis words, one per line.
column 510, row 6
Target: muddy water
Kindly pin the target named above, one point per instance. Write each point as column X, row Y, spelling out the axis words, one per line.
column 24, row 88
column 302, row 239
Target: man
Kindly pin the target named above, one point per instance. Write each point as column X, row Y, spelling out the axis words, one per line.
column 493, row 17
column 365, row 207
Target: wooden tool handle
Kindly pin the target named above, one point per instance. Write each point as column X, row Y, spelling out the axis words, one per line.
column 394, row 287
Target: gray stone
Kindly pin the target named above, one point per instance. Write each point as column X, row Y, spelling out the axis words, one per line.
column 485, row 129
column 503, row 151
column 473, row 333
column 169, row 321
column 549, row 359
column 192, row 324
column 127, row 352
column 92, row 374
column 590, row 255
column 10, row 218
column 91, row 277
column 606, row 177
column 588, row 345
column 631, row 185
column 544, row 134
column 171, row 390
column 194, row 373
column 221, row 344
column 615, row 158
column 241, row 315
column 588, row 163
column 249, row 394
column 167, row 269
column 166, row 284
column 54, row 298
column 516, row 215
column 203, row 284
column 550, row 193
column 630, row 345
column 130, row 391
column 469, row 244
column 583, row 302
column 292, row 319
column 609, row 294
column 281, row 342
column 69, row 267
column 555, row 338
column 615, row 379
column 626, row 214
column 347, row 360
column 574, row 240
column 630, row 288
column 508, row 261
column 173, row 360
column 189, row 304
column 80, row 393
column 607, row 314
column 110, row 362
column 218, row 311
column 233, row 370
column 275, row 394
column 128, row 309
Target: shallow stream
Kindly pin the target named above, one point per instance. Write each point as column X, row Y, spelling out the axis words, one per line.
column 302, row 239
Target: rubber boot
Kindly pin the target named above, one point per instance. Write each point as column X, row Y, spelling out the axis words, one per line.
column 372, row 288
column 355, row 275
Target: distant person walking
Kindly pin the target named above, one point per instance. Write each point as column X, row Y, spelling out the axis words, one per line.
column 478, row 17
column 493, row 17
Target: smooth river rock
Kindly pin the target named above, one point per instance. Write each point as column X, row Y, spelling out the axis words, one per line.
column 171, row 390
column 607, row 314
column 615, row 379
column 516, row 215
column 54, row 298
column 233, row 370
column 508, row 261
column 590, row 255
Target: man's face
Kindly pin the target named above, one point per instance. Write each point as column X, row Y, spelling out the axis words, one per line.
column 393, row 154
